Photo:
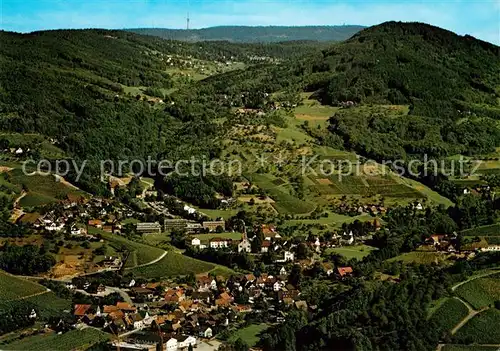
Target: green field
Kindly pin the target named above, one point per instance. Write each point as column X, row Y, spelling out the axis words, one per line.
column 449, row 314
column 482, row 329
column 171, row 265
column 358, row 252
column 13, row 288
column 72, row 340
column 481, row 292
column 487, row 230
column 249, row 334
column 138, row 253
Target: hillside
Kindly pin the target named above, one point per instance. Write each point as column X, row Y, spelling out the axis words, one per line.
column 81, row 87
column 258, row 34
column 449, row 81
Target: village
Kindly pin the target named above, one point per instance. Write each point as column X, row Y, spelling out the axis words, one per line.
column 194, row 310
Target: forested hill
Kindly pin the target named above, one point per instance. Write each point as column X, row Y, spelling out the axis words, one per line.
column 246, row 34
column 450, row 83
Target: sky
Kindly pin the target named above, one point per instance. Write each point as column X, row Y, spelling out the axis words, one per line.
column 480, row 18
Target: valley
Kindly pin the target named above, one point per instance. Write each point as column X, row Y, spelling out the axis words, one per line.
column 302, row 195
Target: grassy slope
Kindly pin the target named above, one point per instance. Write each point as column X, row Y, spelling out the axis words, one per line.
column 249, row 334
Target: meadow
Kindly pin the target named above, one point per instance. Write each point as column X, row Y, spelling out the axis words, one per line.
column 249, row 334
column 73, row 340
column 482, row 329
column 481, row 292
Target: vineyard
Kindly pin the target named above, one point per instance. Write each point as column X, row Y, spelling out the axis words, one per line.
column 72, row 340
column 488, row 230
column 481, row 292
column 449, row 314
column 172, row 264
column 14, row 288
column 482, row 329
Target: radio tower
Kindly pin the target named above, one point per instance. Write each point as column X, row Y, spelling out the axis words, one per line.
column 187, row 18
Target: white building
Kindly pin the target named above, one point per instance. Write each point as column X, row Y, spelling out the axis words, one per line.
column 218, row 243
column 244, row 245
column 171, row 345
column 195, row 242
column 185, row 341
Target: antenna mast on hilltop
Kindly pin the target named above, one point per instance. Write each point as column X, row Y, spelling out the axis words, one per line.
column 187, row 18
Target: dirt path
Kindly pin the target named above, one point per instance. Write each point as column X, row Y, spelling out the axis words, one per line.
column 17, row 212
column 32, row 295
column 472, row 314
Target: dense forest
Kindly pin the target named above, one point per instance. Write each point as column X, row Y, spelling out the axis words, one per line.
column 258, row 34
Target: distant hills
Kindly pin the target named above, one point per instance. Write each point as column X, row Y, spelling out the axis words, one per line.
column 261, row 34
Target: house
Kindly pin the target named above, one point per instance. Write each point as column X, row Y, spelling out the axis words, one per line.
column 195, row 242
column 213, row 225
column 218, row 243
column 344, row 271
column 206, row 333
column 244, row 245
column 282, row 271
column 171, row 345
column 206, row 282
column 265, row 246
column 81, row 310
column 184, row 341
column 288, row 256
column 97, row 223
column 148, row 228
column 328, row 268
